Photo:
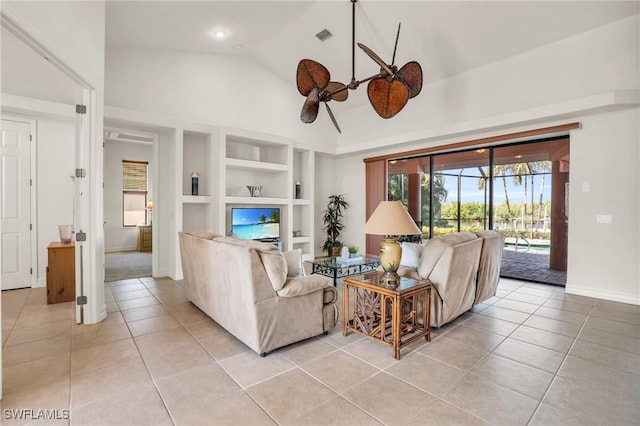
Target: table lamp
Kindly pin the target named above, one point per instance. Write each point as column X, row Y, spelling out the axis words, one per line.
column 390, row 218
column 150, row 210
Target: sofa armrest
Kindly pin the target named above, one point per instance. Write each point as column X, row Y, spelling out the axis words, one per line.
column 405, row 271
column 299, row 286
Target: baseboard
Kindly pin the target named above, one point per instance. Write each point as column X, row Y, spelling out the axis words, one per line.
column 117, row 249
column 599, row 294
column 177, row 276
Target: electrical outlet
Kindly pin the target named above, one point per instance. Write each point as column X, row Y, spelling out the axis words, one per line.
column 604, row 218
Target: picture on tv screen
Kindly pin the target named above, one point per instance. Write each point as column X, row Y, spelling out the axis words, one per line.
column 256, row 223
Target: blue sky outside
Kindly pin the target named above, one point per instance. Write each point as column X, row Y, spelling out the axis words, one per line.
column 469, row 188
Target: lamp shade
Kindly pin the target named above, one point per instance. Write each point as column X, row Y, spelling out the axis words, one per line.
column 391, row 218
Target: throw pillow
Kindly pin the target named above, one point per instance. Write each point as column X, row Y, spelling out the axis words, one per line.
column 411, row 254
column 276, row 267
column 294, row 263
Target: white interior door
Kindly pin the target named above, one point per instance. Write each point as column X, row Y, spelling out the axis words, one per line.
column 15, row 207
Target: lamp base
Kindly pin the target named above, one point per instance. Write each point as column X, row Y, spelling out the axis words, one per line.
column 390, row 280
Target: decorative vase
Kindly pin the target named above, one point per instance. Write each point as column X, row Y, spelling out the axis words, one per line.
column 298, row 190
column 254, row 190
column 66, row 233
column 194, row 183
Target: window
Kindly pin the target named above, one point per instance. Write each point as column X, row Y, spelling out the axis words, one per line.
column 134, row 193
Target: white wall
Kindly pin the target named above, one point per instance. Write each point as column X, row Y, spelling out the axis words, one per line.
column 604, row 258
column 209, row 89
column 594, row 62
column 55, row 141
column 325, row 185
column 116, row 236
column 74, row 32
column 202, row 88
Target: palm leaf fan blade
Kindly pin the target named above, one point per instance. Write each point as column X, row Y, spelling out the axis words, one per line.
column 310, row 108
column 333, row 119
column 311, row 74
column 338, row 90
column 411, row 75
column 387, row 98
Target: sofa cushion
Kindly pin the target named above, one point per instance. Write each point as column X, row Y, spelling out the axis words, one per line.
column 300, row 286
column 433, row 251
column 204, row 234
column 411, row 254
column 459, row 237
column 294, row 263
column 276, row 267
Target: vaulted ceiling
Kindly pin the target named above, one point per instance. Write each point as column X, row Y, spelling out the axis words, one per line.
column 445, row 37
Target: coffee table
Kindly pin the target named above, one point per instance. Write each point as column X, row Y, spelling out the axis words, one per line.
column 387, row 315
column 333, row 267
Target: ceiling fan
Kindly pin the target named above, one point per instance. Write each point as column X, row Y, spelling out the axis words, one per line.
column 389, row 90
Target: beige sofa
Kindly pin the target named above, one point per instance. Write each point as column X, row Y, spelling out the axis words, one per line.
column 244, row 286
column 463, row 267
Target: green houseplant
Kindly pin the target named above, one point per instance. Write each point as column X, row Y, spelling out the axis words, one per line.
column 353, row 251
column 332, row 223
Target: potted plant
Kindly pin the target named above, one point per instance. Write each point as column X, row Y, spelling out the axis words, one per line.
column 353, row 251
column 332, row 223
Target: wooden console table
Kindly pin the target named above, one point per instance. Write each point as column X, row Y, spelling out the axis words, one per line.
column 61, row 272
column 386, row 315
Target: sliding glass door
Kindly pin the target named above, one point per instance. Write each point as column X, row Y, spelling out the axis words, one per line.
column 519, row 190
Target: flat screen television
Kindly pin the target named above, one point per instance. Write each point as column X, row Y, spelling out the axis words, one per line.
column 261, row 223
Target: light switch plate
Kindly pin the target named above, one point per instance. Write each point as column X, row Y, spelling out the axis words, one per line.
column 604, row 218
column 586, row 187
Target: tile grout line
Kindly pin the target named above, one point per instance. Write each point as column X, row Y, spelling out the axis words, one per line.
column 555, row 376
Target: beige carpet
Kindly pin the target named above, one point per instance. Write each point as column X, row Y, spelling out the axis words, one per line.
column 127, row 264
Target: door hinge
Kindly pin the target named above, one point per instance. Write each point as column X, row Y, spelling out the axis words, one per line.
column 81, row 236
column 80, row 173
column 30, row 271
column 81, row 300
column 81, row 109
column 30, row 138
column 31, row 227
column 30, row 182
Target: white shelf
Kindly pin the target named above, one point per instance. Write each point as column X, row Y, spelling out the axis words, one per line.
column 298, row 240
column 196, row 199
column 235, row 163
column 255, row 200
column 301, row 202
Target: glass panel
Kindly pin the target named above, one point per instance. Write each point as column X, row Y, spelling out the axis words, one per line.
column 134, row 208
column 522, row 195
column 408, row 182
column 461, row 191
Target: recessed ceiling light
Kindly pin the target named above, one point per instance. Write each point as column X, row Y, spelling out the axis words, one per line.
column 219, row 33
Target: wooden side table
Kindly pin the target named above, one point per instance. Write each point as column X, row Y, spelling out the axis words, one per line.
column 61, row 272
column 386, row 315
column 145, row 238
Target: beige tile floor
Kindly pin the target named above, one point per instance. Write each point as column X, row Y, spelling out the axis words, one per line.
column 531, row 355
